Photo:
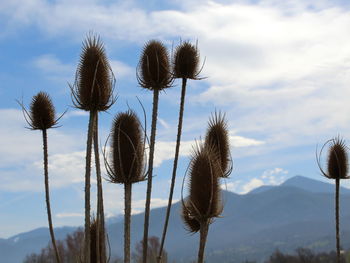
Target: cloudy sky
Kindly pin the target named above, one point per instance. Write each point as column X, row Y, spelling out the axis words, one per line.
column 278, row 69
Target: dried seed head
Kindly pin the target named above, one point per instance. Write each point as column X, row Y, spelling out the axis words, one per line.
column 191, row 223
column 93, row 88
column 153, row 70
column 127, row 149
column 217, row 139
column 42, row 112
column 186, row 61
column 337, row 164
column 204, row 186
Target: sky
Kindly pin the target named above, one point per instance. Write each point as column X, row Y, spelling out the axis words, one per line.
column 280, row 70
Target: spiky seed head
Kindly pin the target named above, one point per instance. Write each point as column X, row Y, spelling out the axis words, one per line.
column 337, row 165
column 93, row 88
column 217, row 138
column 127, row 149
column 42, row 112
column 186, row 61
column 153, row 70
column 187, row 213
column 204, row 189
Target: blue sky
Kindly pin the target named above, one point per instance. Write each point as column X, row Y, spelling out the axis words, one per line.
column 280, row 71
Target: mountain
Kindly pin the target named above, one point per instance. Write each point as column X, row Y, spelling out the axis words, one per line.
column 299, row 212
column 305, row 183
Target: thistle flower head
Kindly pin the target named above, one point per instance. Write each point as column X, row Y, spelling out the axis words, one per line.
column 204, row 189
column 153, row 70
column 186, row 61
column 94, row 82
column 337, row 159
column 187, row 214
column 127, row 150
column 217, row 139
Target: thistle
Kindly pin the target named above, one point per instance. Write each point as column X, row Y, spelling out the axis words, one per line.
column 337, row 168
column 93, row 92
column 217, row 139
column 185, row 66
column 153, row 74
column 126, row 165
column 41, row 116
column 204, row 201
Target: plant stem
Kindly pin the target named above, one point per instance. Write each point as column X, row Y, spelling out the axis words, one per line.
column 87, row 239
column 150, row 172
column 202, row 240
column 127, row 216
column 47, row 195
column 177, row 149
column 337, row 217
column 100, row 229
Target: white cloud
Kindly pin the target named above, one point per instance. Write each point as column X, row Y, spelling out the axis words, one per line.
column 64, row 215
column 273, row 176
column 121, row 70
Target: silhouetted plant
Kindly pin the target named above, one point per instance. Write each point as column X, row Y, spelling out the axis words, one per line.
column 337, row 168
column 93, row 92
column 153, row 248
column 126, row 165
column 204, row 201
column 154, row 74
column 41, row 116
column 185, row 66
column 217, row 138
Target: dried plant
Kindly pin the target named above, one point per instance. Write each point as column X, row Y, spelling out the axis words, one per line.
column 218, row 139
column 41, row 116
column 93, row 92
column 337, row 168
column 204, row 201
column 126, row 164
column 185, row 66
column 154, row 74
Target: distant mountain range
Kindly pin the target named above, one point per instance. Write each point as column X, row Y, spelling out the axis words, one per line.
column 297, row 213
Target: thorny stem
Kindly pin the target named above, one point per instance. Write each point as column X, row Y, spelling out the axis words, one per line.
column 127, row 215
column 150, row 173
column 177, row 149
column 337, row 218
column 202, row 240
column 87, row 239
column 100, row 229
column 47, row 195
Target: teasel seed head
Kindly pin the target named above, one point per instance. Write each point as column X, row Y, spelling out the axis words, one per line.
column 41, row 115
column 217, row 138
column 192, row 225
column 126, row 163
column 204, row 188
column 186, row 61
column 94, row 81
column 337, row 159
column 153, row 70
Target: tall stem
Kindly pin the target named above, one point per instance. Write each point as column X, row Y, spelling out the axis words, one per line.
column 87, row 239
column 100, row 229
column 177, row 149
column 150, row 173
column 47, row 195
column 337, row 217
column 127, row 216
column 202, row 240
